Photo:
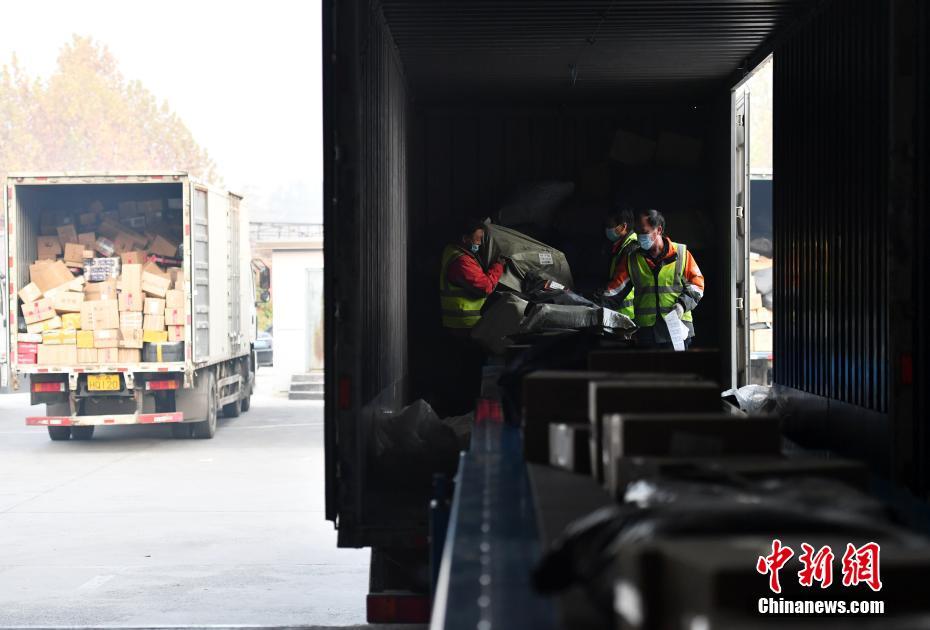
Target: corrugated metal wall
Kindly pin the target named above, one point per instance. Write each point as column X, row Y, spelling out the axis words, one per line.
column 831, row 141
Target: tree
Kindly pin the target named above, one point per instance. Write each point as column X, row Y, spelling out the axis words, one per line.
column 87, row 117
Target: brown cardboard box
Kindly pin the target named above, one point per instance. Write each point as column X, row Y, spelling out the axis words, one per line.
column 67, row 234
column 106, row 315
column 128, row 209
column 124, row 243
column 68, row 301
column 97, row 291
column 48, row 324
column 130, row 338
column 155, row 269
column 130, row 355
column 133, row 258
column 88, row 253
column 161, row 246
column 57, row 355
column 85, row 339
column 87, row 218
column 67, row 355
column 87, row 355
column 108, row 355
column 155, row 285
column 131, row 320
column 49, row 275
column 74, row 253
column 762, row 340
column 755, row 299
column 154, row 306
column 105, row 246
column 30, row 293
column 176, row 333
column 131, row 277
column 38, row 311
column 106, row 338
column 131, row 301
column 761, row 315
column 49, row 248
column 87, row 316
column 174, row 299
column 153, row 322
column 175, row 317
column 67, row 337
column 88, row 240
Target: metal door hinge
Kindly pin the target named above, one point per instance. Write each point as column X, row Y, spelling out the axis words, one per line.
column 740, row 120
column 739, row 212
column 739, row 303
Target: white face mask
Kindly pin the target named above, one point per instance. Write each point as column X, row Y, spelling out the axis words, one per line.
column 612, row 235
column 645, row 241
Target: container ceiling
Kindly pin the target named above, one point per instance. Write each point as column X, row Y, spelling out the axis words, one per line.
column 638, row 48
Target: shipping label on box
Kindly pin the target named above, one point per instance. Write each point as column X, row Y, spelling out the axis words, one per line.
column 154, row 306
column 130, row 355
column 154, row 285
column 107, row 355
column 153, row 322
column 131, row 301
column 175, row 317
column 174, row 299
column 67, row 234
column 85, row 339
column 38, row 311
column 176, row 333
column 155, row 336
column 48, row 324
column 68, row 302
column 106, row 315
column 128, row 319
column 100, row 269
column 131, row 337
column 30, row 293
column 71, row 321
column 49, row 248
column 106, row 338
column 87, row 355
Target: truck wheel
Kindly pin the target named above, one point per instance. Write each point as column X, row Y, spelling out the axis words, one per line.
column 233, row 409
column 181, row 430
column 206, row 429
column 246, row 403
column 59, row 434
column 82, row 433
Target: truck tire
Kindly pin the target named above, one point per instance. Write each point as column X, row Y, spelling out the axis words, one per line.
column 181, row 430
column 233, row 409
column 247, row 403
column 82, row 433
column 59, row 434
column 206, row 429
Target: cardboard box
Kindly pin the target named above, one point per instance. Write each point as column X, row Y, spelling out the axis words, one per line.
column 155, row 269
column 131, row 338
column 175, row 299
column 130, row 355
column 30, row 293
column 57, row 355
column 68, row 302
column 108, row 338
column 105, row 246
column 49, row 324
column 175, row 317
column 131, row 277
column 124, row 243
column 105, row 315
column 161, row 246
column 47, row 355
column 176, row 333
column 29, row 337
column 102, row 269
column 107, row 355
column 136, row 257
column 153, row 322
column 131, row 301
column 50, row 274
column 38, row 311
column 51, row 338
column 96, row 291
column 763, row 315
column 128, row 209
column 68, row 337
column 27, row 353
column 74, row 253
column 71, row 321
column 85, row 339
column 87, row 355
column 177, row 275
column 755, row 299
column 762, row 340
column 87, row 218
column 155, row 336
column 131, row 320
column 48, row 248
column 88, row 253
column 155, row 285
column 154, row 306
column 67, row 234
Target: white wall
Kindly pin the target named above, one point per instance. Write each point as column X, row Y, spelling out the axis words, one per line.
column 293, row 331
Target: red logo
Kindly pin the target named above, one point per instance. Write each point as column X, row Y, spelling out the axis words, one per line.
column 773, row 563
column 860, row 565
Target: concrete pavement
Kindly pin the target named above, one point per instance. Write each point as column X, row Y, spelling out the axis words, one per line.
column 136, row 529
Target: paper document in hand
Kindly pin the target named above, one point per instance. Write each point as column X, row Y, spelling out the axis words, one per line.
column 677, row 330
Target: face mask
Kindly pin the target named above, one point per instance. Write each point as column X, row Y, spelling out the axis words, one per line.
column 645, row 241
column 612, row 235
column 475, row 248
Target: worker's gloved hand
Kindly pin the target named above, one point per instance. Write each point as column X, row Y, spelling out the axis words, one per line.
column 679, row 310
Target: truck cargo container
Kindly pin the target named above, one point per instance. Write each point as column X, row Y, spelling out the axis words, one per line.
column 435, row 111
column 210, row 365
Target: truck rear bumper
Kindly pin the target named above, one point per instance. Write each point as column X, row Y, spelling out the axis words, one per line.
column 83, row 421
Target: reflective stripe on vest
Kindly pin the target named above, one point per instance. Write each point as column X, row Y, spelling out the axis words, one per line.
column 459, row 308
column 630, row 243
column 657, row 289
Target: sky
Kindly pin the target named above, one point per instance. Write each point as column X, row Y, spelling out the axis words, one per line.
column 245, row 77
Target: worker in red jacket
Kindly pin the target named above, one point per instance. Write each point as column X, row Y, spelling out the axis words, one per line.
column 464, row 284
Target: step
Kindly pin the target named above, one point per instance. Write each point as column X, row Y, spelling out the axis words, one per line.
column 308, row 378
column 307, row 387
column 304, row 396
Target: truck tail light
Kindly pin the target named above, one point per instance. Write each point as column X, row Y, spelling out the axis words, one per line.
column 161, row 385
column 46, row 388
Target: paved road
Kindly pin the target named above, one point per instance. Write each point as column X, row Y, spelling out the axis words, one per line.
column 136, row 529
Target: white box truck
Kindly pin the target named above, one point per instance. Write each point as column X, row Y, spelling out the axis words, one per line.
column 212, row 372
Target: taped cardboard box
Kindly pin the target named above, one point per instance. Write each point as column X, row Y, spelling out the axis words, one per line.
column 27, row 353
column 176, row 333
column 30, row 293
column 174, row 299
column 48, row 247
column 131, row 277
column 48, row 324
column 108, row 355
column 40, row 310
column 88, row 241
column 131, row 301
column 106, row 338
column 155, row 336
column 155, row 285
column 74, row 253
column 105, row 315
column 67, row 234
column 131, row 320
column 161, row 246
column 87, row 219
column 51, row 338
column 71, row 321
column 57, row 355
column 130, row 355
column 87, row 355
column 175, row 317
column 154, row 306
column 85, row 339
column 136, row 257
column 68, row 302
column 49, row 274
column 154, row 322
column 97, row 291
column 131, row 338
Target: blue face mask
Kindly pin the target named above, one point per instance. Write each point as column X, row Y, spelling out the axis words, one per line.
column 475, row 248
column 612, row 235
column 645, row 241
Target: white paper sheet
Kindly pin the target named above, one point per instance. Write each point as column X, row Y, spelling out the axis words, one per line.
column 677, row 330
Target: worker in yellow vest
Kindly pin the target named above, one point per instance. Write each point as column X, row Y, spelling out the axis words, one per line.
column 664, row 277
column 464, row 283
column 619, row 230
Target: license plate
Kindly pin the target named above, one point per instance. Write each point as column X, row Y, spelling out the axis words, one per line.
column 103, row 382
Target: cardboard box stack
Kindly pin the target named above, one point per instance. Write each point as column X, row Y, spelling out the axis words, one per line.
column 760, row 317
column 104, row 283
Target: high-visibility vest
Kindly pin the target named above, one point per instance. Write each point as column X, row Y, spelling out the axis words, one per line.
column 657, row 289
column 626, row 307
column 460, row 309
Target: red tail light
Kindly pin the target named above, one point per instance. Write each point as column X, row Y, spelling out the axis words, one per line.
column 161, row 385
column 45, row 388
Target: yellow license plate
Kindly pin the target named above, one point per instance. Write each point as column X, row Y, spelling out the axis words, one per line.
column 103, row 382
